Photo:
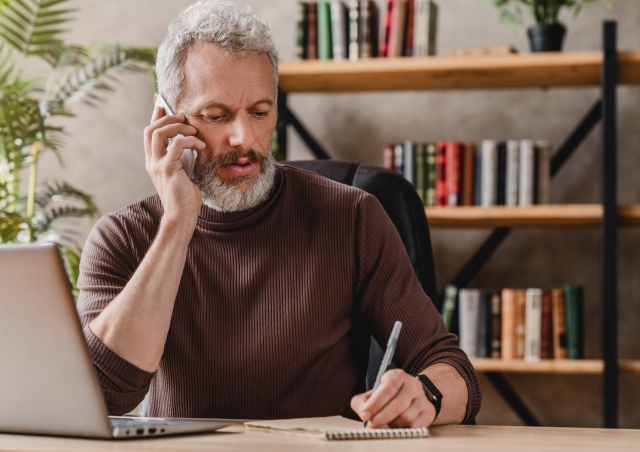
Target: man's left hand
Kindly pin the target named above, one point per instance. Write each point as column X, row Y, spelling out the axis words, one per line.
column 398, row 402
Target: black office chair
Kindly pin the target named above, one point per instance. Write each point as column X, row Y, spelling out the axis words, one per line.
column 404, row 207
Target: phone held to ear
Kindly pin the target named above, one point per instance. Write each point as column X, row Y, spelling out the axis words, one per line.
column 189, row 156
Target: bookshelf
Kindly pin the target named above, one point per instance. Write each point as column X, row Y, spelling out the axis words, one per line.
column 605, row 69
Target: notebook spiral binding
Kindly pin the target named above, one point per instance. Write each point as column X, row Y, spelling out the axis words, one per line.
column 386, row 433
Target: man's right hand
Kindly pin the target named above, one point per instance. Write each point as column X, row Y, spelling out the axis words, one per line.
column 180, row 197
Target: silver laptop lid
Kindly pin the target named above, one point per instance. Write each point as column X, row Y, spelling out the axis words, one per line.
column 47, row 380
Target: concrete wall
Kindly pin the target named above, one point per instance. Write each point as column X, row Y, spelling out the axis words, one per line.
column 104, row 156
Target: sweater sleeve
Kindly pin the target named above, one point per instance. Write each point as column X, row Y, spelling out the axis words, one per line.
column 388, row 290
column 107, row 265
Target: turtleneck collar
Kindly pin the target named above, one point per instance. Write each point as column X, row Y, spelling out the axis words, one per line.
column 215, row 220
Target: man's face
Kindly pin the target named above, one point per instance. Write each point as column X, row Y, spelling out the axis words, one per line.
column 230, row 101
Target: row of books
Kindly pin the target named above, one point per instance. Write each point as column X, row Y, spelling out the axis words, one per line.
column 453, row 173
column 529, row 324
column 338, row 31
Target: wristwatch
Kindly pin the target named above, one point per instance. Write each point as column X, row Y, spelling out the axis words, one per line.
column 431, row 392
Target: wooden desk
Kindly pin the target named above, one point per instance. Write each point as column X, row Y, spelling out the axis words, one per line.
column 445, row 439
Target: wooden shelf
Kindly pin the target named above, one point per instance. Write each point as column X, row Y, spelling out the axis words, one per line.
column 551, row 215
column 551, row 366
column 499, row 71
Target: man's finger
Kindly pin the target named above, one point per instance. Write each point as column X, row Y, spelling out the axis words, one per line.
column 396, row 408
column 162, row 121
column 407, row 418
column 160, row 137
column 358, row 400
column 390, row 385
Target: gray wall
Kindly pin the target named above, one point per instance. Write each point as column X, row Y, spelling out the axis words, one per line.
column 104, row 156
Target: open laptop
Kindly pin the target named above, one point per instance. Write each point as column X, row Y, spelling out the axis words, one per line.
column 47, row 380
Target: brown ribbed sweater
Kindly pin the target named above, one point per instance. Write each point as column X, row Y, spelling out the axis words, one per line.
column 265, row 323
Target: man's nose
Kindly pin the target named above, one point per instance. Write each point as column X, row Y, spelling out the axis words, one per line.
column 242, row 135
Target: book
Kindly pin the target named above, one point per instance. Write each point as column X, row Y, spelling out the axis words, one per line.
column 508, row 329
column 441, row 174
column 559, row 325
column 501, row 177
column 408, row 33
column 312, row 31
column 331, row 429
column 421, row 171
column 398, row 152
column 546, row 335
column 396, row 35
column 573, row 303
column 496, row 326
column 521, row 314
column 452, row 173
column 511, row 178
column 449, row 304
column 384, row 41
column 477, row 182
column 533, row 321
column 484, row 323
column 325, row 51
column 388, row 157
column 489, row 173
column 468, row 300
column 301, row 31
column 339, row 30
column 432, row 28
column 366, row 34
column 354, row 30
column 431, row 175
column 527, row 167
column 543, row 154
column 408, row 161
column 467, row 171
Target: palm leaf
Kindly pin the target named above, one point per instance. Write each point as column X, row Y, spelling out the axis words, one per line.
column 71, row 258
column 33, row 27
column 10, row 226
column 82, row 82
column 44, row 220
column 7, row 75
column 59, row 191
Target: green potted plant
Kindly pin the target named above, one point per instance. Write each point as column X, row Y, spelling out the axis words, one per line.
column 548, row 33
column 28, row 112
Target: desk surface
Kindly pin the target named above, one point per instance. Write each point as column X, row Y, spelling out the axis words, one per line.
column 448, row 438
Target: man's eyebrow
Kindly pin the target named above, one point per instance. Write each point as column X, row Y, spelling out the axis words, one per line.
column 213, row 104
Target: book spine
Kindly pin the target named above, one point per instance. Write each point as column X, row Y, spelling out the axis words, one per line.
column 441, row 174
column 511, row 189
column 449, row 304
column 501, row 198
column 489, row 173
column 301, row 31
column 409, row 159
column 533, row 321
column 421, row 171
column 521, row 314
column 432, row 31
column 420, row 25
column 324, row 31
column 354, row 30
column 546, row 336
column 393, row 29
column 408, row 34
column 484, row 315
column 477, row 183
column 543, row 151
column 573, row 311
column 495, row 345
column 452, row 175
column 389, row 157
column 431, row 175
column 559, row 326
column 398, row 152
column 508, row 324
column 468, row 319
column 402, row 22
column 527, row 164
column 468, row 171
column 384, row 42
column 364, row 39
column 339, row 30
column 312, row 31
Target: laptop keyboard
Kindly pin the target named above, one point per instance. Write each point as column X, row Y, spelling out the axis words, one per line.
column 134, row 422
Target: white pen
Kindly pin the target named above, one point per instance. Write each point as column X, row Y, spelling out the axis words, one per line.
column 388, row 356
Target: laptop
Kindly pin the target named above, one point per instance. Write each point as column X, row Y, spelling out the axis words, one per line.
column 47, row 381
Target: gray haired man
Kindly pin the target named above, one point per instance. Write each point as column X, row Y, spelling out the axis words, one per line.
column 236, row 295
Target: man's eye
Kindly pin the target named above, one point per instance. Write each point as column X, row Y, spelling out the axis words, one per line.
column 261, row 114
column 216, row 118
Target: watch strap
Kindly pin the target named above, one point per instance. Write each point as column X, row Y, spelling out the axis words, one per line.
column 433, row 395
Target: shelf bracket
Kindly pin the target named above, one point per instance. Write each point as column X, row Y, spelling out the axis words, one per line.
column 512, row 398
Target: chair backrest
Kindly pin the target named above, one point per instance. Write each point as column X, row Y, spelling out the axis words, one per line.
column 403, row 205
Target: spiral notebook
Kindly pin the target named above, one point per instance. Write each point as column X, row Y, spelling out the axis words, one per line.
column 332, row 428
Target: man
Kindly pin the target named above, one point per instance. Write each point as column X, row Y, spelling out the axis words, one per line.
column 238, row 295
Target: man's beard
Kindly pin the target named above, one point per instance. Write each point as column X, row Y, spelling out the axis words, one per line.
column 243, row 192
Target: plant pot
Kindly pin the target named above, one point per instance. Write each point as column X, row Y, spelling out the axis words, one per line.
column 546, row 38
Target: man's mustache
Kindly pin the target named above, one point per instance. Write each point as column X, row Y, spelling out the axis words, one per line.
column 235, row 155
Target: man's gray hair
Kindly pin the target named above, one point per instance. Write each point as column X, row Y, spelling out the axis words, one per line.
column 239, row 32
